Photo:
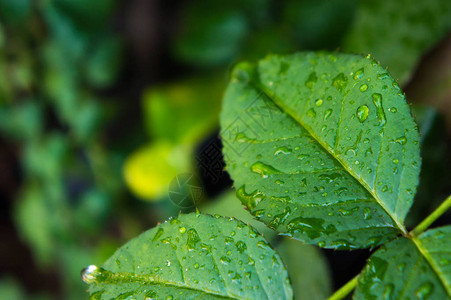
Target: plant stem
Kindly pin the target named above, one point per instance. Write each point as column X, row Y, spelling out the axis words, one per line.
column 345, row 290
column 432, row 217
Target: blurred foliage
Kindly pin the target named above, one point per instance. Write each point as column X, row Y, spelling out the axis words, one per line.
column 398, row 32
column 61, row 60
column 176, row 118
column 55, row 56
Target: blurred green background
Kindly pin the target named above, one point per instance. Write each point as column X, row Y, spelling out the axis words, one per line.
column 106, row 106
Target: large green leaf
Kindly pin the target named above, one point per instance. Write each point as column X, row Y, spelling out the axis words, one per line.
column 308, row 269
column 193, row 256
column 417, row 268
column 322, row 147
column 398, row 32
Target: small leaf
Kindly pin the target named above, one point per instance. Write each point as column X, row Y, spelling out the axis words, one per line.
column 417, row 268
column 321, row 147
column 194, row 256
column 398, row 32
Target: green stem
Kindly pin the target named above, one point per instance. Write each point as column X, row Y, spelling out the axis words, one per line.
column 432, row 217
column 345, row 290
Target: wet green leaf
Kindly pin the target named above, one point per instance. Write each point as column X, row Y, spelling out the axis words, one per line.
column 398, row 32
column 417, row 268
column 322, row 147
column 193, row 256
column 228, row 205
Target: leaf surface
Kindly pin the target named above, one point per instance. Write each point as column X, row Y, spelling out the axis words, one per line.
column 418, row 268
column 321, row 147
column 193, row 256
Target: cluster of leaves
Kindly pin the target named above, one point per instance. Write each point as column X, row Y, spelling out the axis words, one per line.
column 55, row 57
column 217, row 33
column 322, row 147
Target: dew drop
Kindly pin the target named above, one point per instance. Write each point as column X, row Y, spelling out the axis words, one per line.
column 424, row 291
column 91, row 274
column 362, row 113
column 182, row 229
column 311, row 113
column 363, row 87
column 359, row 74
column 263, row 169
column 367, row 213
column 377, row 100
column 311, row 80
column 319, row 102
column 340, row 82
column 327, row 114
column 401, row 140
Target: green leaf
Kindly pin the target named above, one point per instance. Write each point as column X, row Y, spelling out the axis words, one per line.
column 194, row 256
column 308, row 269
column 227, row 205
column 322, row 147
column 417, row 268
column 398, row 32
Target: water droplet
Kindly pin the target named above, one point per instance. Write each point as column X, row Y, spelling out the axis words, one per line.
column 340, row 191
column 396, row 86
column 393, row 110
column 240, row 246
column 367, row 213
column 250, row 200
column 196, row 266
column 157, row 235
column 424, row 291
column 263, row 245
column 383, row 76
column 363, row 87
column 348, row 212
column 182, row 229
column 169, row 297
column 359, row 74
column 362, row 113
column 340, row 82
column 321, row 244
column 263, row 169
column 311, row 113
column 242, row 72
column 395, row 161
column 225, row 260
column 282, row 150
column 329, row 178
column 92, row 274
column 377, row 100
column 193, row 239
column 401, row 140
column 327, row 114
column 311, row 80
column 319, row 102
column 150, row 295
